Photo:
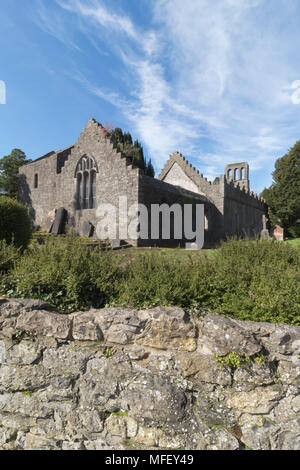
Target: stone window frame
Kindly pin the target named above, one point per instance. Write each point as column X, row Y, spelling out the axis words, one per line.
column 36, row 181
column 237, row 172
column 85, row 176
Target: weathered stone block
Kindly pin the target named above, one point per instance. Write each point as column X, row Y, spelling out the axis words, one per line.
column 220, row 335
column 150, row 398
column 86, row 229
column 259, row 401
column 58, row 227
column 44, row 323
column 87, row 326
column 168, row 327
column 118, row 325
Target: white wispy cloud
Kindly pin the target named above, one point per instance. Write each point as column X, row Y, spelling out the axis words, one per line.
column 295, row 96
column 210, row 79
column 105, row 94
column 52, row 23
column 95, row 11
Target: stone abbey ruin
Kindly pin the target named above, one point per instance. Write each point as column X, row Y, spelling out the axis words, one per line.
column 93, row 171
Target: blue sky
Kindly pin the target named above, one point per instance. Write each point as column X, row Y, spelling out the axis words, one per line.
column 218, row 80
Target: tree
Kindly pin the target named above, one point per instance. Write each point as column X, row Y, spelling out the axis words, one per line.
column 150, row 169
column 134, row 151
column 283, row 196
column 15, row 223
column 9, row 168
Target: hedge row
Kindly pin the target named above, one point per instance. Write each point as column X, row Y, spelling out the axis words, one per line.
column 248, row 280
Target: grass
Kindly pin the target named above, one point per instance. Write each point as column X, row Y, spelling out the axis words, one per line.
column 295, row 242
column 132, row 252
column 43, row 237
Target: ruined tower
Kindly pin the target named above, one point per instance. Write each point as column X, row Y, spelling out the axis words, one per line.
column 239, row 174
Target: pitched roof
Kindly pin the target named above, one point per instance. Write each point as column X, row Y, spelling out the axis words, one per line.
column 200, row 181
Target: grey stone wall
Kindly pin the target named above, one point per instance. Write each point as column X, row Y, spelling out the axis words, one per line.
column 229, row 209
column 39, row 200
column 179, row 172
column 244, row 211
column 233, row 209
column 116, row 177
column 154, row 191
column 118, row 378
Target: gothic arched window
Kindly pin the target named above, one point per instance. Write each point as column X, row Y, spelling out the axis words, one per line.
column 86, row 174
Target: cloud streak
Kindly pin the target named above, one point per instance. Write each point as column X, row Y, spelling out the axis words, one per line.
column 52, row 23
column 96, row 12
column 210, row 79
column 295, row 97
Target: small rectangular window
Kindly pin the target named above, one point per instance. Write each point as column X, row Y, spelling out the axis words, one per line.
column 36, row 181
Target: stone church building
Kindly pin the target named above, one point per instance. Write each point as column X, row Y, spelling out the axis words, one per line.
column 93, row 172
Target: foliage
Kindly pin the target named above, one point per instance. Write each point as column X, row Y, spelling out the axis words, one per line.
column 283, row 197
column 28, row 393
column 249, row 280
column 235, row 360
column 108, row 352
column 15, row 224
column 131, row 149
column 259, row 359
column 150, row 280
column 9, row 168
column 120, row 413
column 65, row 273
column 21, row 334
column 294, row 242
column 8, row 255
column 257, row 280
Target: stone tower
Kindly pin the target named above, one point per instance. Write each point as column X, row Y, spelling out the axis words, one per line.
column 239, row 174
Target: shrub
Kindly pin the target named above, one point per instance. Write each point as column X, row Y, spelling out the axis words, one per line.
column 248, row 280
column 151, row 280
column 15, row 224
column 65, row 273
column 8, row 255
column 258, row 280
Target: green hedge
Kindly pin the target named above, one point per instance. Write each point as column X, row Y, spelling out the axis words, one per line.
column 258, row 281
column 8, row 256
column 65, row 273
column 15, row 224
column 247, row 280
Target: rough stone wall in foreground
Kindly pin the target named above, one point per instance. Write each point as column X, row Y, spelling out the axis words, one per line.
column 120, row 378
